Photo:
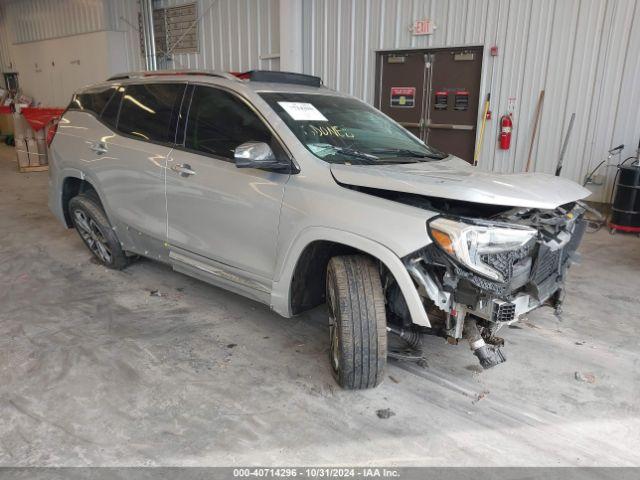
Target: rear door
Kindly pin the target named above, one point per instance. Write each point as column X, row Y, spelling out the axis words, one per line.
column 223, row 220
column 131, row 167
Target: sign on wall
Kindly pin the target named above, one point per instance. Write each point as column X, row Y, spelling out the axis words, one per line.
column 403, row 97
column 422, row 27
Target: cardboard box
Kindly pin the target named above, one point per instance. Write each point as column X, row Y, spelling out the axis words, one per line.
column 34, row 155
column 21, row 127
column 42, row 150
column 22, row 153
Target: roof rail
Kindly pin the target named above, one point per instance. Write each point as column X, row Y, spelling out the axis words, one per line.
column 252, row 75
column 166, row 73
column 279, row 77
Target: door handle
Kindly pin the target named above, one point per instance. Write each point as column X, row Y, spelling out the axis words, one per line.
column 98, row 147
column 184, row 169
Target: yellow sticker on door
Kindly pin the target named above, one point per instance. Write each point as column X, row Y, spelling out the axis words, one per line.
column 403, row 97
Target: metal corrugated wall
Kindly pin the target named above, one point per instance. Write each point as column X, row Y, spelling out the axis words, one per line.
column 235, row 35
column 583, row 53
column 5, row 54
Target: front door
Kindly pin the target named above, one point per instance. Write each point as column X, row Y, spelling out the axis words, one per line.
column 223, row 220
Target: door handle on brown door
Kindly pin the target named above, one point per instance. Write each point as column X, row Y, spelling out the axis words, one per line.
column 98, row 147
column 184, row 169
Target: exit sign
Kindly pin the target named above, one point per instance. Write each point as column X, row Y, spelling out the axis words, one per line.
column 422, row 27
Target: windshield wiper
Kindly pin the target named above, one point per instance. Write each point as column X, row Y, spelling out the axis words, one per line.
column 350, row 152
column 410, row 153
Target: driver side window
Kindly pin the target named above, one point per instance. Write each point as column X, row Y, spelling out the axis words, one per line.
column 219, row 122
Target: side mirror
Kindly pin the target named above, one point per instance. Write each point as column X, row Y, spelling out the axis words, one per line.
column 257, row 155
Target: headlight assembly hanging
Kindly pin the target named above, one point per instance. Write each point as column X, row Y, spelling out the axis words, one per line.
column 467, row 241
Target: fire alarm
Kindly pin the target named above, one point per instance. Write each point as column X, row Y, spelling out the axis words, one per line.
column 494, row 51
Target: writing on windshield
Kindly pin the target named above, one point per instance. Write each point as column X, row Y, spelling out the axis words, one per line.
column 344, row 130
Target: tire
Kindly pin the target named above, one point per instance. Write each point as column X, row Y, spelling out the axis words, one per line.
column 96, row 232
column 357, row 322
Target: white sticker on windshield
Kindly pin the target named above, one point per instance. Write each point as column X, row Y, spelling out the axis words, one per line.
column 303, row 111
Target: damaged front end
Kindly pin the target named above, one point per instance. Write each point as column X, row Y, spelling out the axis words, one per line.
column 480, row 274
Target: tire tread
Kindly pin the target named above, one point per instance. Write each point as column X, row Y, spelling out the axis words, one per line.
column 361, row 320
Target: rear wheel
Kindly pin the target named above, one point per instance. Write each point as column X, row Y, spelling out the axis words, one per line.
column 96, row 232
column 357, row 322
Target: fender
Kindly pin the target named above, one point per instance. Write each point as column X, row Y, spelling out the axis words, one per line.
column 281, row 289
column 55, row 198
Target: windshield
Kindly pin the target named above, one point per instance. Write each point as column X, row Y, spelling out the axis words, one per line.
column 344, row 130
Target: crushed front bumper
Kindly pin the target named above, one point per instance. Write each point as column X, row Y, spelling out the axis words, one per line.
column 534, row 276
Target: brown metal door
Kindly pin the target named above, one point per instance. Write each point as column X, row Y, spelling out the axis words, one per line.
column 401, row 87
column 452, row 110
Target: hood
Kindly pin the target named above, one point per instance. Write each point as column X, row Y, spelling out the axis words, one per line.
column 455, row 179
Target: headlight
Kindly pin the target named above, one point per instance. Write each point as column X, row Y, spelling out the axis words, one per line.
column 467, row 241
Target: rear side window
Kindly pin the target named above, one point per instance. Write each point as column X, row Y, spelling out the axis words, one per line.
column 92, row 101
column 149, row 111
column 110, row 112
column 219, row 122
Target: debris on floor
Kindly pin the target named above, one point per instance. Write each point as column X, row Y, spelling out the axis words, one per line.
column 587, row 377
column 232, row 345
column 393, row 379
column 475, row 369
column 385, row 413
column 156, row 293
column 480, row 396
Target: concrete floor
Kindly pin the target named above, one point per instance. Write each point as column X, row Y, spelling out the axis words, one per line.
column 96, row 371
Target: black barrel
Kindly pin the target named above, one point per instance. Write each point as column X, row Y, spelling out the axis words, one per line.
column 626, row 204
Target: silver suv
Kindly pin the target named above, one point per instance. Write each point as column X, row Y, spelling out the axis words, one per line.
column 274, row 187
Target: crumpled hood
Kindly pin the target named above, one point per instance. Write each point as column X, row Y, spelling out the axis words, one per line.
column 455, row 179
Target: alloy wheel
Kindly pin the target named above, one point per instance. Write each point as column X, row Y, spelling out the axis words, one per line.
column 92, row 236
column 334, row 350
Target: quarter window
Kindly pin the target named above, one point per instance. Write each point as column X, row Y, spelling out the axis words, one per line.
column 149, row 111
column 92, row 101
column 219, row 122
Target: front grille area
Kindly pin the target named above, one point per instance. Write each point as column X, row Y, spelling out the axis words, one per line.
column 504, row 261
column 547, row 263
column 535, row 268
column 551, row 262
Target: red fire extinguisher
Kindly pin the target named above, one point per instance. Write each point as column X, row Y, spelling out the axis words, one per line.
column 506, row 125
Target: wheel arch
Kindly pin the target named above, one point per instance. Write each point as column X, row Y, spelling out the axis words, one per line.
column 307, row 259
column 72, row 186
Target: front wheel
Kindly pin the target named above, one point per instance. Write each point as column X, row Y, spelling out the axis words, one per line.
column 357, row 322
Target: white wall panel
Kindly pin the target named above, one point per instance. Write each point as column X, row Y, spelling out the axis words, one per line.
column 583, row 53
column 34, row 20
column 51, row 70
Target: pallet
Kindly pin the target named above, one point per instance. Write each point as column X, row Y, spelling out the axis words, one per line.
column 39, row 168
